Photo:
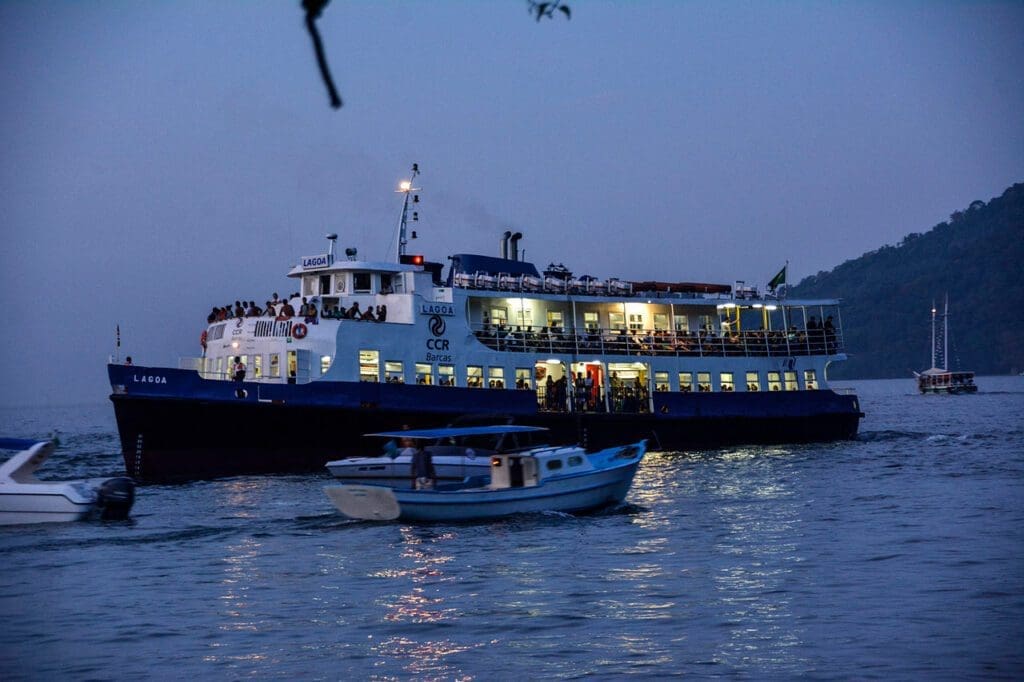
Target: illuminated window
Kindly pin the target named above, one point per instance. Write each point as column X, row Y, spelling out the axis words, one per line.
column 474, row 376
column 496, row 377
column 774, row 384
column 753, row 381
column 682, row 323
column 275, row 365
column 685, row 382
column 555, row 319
column 369, row 366
column 220, row 367
column 499, row 317
column 524, row 378
column 394, row 372
column 661, row 321
column 704, row 382
column 257, row 366
column 591, row 322
column 791, row 381
column 725, row 382
column 325, row 363
column 616, row 320
column 424, row 374
column 524, row 317
column 636, row 321
column 661, row 381
column 810, row 380
column 446, row 375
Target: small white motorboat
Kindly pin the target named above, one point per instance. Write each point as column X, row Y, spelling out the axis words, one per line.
column 565, row 479
column 458, row 452
column 26, row 499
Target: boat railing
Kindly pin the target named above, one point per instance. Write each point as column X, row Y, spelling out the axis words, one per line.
column 660, row 342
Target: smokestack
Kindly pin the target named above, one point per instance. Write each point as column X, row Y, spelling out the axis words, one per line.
column 515, row 245
column 504, row 244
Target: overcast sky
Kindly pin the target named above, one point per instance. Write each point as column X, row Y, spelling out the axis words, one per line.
column 160, row 158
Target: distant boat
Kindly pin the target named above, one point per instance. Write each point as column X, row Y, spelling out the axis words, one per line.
column 566, row 479
column 941, row 379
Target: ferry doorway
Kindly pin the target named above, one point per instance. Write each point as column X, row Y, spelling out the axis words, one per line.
column 299, row 366
column 552, row 383
column 629, row 389
column 591, row 397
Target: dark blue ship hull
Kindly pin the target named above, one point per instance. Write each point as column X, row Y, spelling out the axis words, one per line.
column 174, row 425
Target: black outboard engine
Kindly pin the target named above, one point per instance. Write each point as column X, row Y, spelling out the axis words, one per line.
column 116, row 496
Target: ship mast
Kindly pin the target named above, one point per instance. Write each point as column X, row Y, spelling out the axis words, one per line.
column 405, row 187
column 945, row 335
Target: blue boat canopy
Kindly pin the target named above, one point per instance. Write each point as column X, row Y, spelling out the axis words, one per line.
column 453, row 431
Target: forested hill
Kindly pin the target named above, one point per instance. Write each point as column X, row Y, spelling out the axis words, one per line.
column 977, row 257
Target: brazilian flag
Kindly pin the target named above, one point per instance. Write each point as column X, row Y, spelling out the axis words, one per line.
column 778, row 279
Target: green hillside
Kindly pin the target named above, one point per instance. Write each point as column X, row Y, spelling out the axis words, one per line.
column 977, row 257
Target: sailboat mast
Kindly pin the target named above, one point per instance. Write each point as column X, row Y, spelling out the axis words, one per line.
column 945, row 335
column 933, row 334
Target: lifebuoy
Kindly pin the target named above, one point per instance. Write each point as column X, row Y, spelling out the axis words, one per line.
column 202, row 340
column 299, row 331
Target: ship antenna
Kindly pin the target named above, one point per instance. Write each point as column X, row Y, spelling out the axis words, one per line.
column 406, row 187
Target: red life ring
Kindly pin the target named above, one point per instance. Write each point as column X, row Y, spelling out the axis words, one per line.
column 299, row 331
column 202, row 340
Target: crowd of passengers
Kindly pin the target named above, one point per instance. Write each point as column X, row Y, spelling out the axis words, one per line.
column 817, row 337
column 624, row 396
column 283, row 309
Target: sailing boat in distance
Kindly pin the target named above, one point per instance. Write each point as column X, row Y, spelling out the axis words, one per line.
column 940, row 379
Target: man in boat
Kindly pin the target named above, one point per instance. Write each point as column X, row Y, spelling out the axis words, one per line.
column 423, row 473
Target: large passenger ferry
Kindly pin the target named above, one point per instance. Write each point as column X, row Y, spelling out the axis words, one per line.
column 596, row 361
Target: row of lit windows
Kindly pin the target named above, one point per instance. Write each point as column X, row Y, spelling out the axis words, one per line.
column 523, row 317
column 478, row 376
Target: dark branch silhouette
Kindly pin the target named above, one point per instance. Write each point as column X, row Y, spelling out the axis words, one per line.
column 313, row 9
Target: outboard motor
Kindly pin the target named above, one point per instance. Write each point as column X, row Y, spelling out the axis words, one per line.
column 116, row 496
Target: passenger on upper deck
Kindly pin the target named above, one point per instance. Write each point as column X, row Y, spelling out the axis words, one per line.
column 368, row 314
column 286, row 311
column 270, row 312
column 354, row 313
column 382, row 313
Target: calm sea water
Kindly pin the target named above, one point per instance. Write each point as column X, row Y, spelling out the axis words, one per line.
column 896, row 556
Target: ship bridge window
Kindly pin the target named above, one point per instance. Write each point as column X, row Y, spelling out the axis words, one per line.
column 369, row 366
column 790, row 381
column 385, row 283
column 753, row 381
column 810, row 380
column 591, row 322
column 446, row 375
column 361, row 282
column 725, row 382
column 661, row 381
column 394, row 372
column 424, row 374
column 686, row 382
column 774, row 384
column 275, row 365
column 217, row 332
column 474, row 376
column 704, row 382
column 325, row 284
column 616, row 320
column 325, row 364
column 524, row 378
column 496, row 377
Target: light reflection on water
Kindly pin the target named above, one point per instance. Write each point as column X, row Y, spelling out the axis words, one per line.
column 896, row 555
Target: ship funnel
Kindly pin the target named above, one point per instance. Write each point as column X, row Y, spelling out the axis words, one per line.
column 515, row 245
column 504, row 244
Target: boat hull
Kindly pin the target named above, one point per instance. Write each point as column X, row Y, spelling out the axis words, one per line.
column 188, row 428
column 44, row 507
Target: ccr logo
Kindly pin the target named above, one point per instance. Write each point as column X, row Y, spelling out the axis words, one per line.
column 437, row 325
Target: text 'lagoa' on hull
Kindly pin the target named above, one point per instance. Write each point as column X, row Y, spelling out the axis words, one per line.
column 368, row 346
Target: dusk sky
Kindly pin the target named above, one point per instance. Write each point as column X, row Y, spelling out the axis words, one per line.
column 160, row 158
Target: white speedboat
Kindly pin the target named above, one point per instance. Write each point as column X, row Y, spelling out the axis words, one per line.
column 566, row 479
column 457, row 453
column 26, row 499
